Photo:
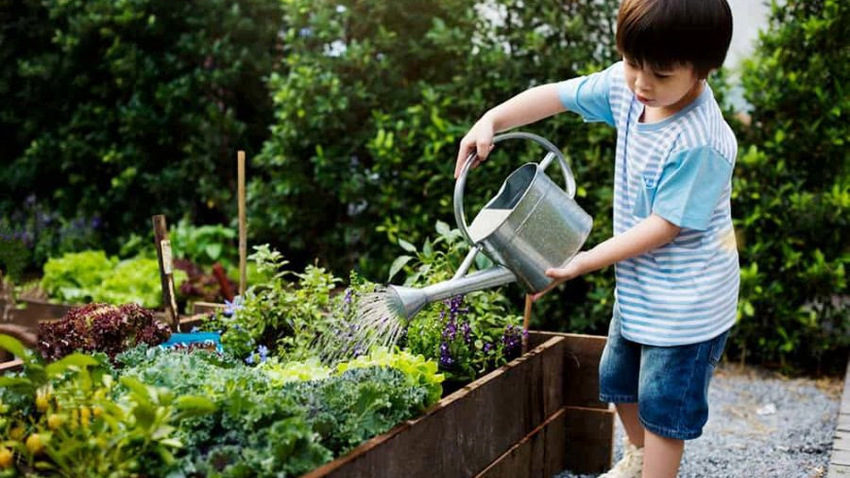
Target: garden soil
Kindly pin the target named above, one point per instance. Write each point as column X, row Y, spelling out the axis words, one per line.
column 761, row 425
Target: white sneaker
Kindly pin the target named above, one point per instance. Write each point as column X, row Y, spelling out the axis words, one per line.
column 630, row 465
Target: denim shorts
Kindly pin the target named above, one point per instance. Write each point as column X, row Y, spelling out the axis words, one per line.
column 669, row 384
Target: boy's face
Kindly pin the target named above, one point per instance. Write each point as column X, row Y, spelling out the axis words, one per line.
column 661, row 88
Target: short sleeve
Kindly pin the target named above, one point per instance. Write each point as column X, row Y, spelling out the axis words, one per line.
column 690, row 187
column 589, row 96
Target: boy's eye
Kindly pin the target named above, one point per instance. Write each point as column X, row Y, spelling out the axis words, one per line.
column 662, row 76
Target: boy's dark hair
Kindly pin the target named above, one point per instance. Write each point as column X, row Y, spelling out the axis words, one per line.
column 666, row 33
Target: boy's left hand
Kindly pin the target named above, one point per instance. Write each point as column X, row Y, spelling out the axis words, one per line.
column 573, row 269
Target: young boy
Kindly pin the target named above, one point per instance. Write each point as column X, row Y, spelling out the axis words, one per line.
column 676, row 261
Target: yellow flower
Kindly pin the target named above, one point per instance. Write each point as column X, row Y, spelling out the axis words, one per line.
column 85, row 414
column 6, row 458
column 17, row 433
column 55, row 421
column 34, row 444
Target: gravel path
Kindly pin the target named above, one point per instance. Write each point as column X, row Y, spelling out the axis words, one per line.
column 761, row 425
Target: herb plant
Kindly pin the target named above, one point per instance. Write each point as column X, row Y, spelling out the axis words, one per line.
column 469, row 335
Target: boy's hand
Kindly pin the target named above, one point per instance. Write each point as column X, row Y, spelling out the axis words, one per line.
column 573, row 269
column 478, row 140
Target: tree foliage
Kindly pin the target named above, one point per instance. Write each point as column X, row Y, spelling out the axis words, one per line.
column 792, row 189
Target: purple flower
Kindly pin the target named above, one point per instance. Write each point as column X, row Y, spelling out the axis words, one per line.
column 446, row 359
column 230, row 308
column 250, row 360
column 264, row 353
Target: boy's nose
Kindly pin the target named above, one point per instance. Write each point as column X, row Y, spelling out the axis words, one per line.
column 641, row 82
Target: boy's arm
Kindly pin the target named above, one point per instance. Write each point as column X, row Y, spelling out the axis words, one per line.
column 527, row 107
column 651, row 233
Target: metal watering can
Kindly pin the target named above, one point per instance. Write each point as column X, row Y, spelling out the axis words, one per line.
column 529, row 226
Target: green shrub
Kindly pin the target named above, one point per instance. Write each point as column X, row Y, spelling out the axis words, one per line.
column 372, row 102
column 122, row 110
column 792, row 190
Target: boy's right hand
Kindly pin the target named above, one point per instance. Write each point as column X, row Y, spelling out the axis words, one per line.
column 478, row 140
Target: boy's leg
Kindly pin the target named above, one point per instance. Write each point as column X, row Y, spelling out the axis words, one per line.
column 673, row 400
column 628, row 413
column 661, row 456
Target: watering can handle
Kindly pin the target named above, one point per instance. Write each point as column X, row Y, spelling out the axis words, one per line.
column 552, row 153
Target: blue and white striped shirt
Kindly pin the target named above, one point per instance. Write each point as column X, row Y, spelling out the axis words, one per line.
column 679, row 168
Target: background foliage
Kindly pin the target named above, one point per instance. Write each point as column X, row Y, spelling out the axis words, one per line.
column 116, row 111
column 351, row 112
column 371, row 106
column 792, row 189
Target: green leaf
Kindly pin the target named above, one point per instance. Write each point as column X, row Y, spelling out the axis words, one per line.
column 213, row 250
column 74, row 360
column 12, row 345
column 397, row 265
column 195, row 404
column 406, row 245
column 145, row 414
column 139, row 389
column 443, row 228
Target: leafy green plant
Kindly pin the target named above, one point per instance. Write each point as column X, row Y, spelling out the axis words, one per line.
column 360, row 403
column 91, row 276
column 74, row 276
column 468, row 335
column 70, row 418
column 204, row 245
column 280, row 313
column 419, row 371
column 256, row 428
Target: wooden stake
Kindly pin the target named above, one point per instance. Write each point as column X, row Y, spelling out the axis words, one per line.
column 166, row 270
column 525, row 321
column 243, row 226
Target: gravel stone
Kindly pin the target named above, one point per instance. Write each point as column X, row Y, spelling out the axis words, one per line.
column 760, row 425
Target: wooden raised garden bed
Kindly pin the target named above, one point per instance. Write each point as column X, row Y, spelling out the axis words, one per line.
column 533, row 417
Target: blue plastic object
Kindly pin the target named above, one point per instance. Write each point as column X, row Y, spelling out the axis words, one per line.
column 204, row 338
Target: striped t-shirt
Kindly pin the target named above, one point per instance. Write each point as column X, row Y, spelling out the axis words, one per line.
column 679, row 168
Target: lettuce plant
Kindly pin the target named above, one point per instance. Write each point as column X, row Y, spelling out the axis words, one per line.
column 100, row 328
column 91, row 276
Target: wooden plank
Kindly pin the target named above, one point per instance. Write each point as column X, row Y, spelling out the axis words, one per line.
column 590, row 439
column 841, row 441
column 11, row 366
column 843, row 421
column 582, row 356
column 201, row 307
column 464, row 432
column 166, row 270
column 541, row 453
column 30, row 312
column 840, row 457
column 838, row 471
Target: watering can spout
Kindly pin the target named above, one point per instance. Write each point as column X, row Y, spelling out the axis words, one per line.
column 406, row 302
